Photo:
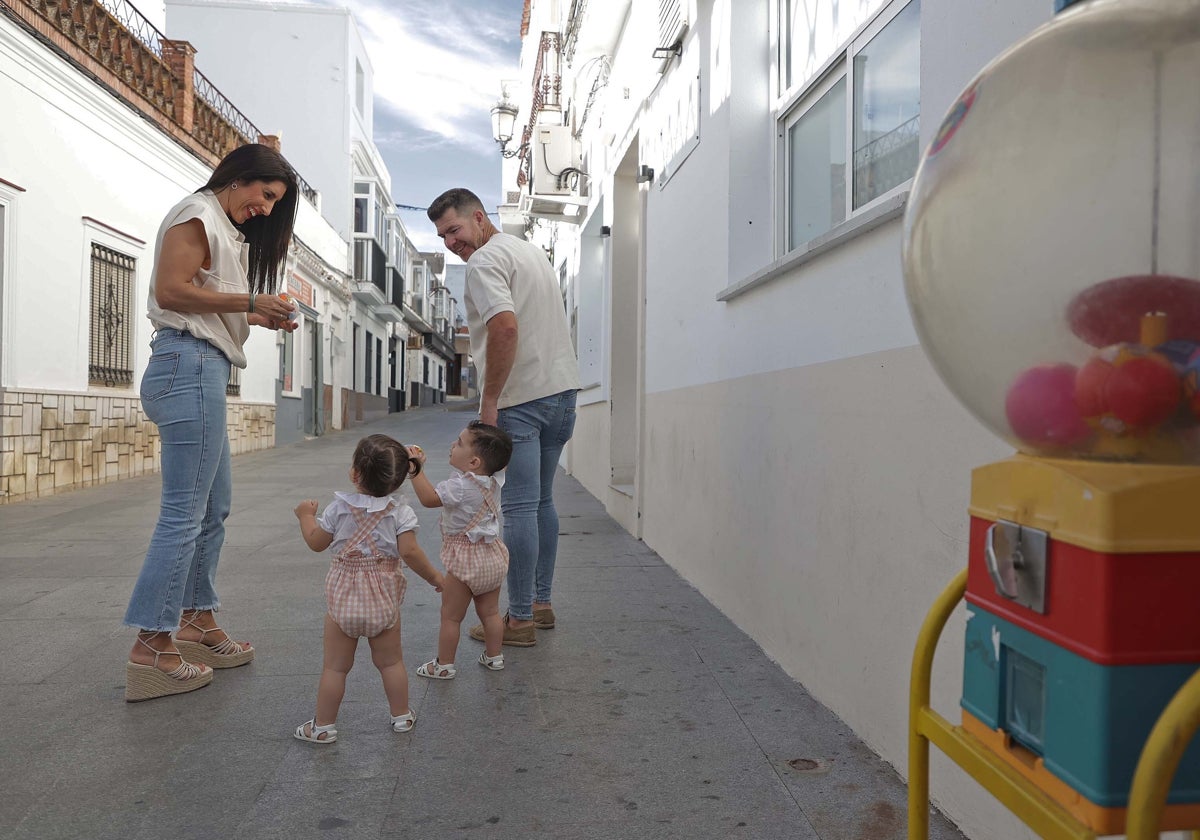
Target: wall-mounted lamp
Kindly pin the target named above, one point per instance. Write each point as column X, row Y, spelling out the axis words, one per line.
column 645, row 174
column 673, row 51
column 504, row 119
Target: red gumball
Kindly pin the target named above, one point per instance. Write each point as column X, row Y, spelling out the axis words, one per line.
column 1128, row 388
column 1040, row 407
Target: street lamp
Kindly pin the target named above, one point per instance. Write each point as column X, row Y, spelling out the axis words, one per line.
column 504, row 119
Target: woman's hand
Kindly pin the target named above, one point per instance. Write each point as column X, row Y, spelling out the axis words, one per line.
column 272, row 312
column 257, row 320
column 306, row 508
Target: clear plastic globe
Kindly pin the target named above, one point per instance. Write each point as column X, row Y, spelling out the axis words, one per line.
column 1052, row 237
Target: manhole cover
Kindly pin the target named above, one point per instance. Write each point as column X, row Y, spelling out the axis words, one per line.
column 809, row 766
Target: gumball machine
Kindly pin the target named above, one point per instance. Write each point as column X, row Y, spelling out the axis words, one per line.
column 1052, row 265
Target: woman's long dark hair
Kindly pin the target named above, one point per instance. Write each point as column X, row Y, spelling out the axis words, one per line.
column 268, row 236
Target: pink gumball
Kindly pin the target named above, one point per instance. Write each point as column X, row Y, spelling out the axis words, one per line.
column 1041, row 408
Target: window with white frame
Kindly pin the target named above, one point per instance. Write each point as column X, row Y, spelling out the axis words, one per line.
column 362, row 207
column 850, row 138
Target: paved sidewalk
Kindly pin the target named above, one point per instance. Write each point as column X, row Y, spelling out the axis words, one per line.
column 644, row 714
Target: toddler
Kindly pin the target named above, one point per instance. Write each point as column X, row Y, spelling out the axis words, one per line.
column 473, row 554
column 370, row 532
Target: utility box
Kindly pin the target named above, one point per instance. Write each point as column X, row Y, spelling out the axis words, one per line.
column 556, row 161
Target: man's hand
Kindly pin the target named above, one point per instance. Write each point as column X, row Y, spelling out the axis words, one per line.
column 488, row 413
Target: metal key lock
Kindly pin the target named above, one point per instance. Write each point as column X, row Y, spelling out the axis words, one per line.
column 1016, row 560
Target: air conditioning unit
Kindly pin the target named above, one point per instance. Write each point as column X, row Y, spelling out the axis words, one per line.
column 556, row 161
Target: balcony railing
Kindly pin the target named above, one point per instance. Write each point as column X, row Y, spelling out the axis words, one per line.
column 229, row 112
column 135, row 23
column 397, row 289
column 370, row 264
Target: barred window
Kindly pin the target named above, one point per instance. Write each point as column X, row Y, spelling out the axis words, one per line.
column 111, row 317
column 234, row 388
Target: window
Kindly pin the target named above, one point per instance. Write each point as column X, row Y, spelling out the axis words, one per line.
column 851, row 137
column 109, row 340
column 360, row 88
column 362, row 207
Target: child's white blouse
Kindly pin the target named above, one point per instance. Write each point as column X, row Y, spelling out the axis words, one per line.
column 337, row 519
column 461, row 497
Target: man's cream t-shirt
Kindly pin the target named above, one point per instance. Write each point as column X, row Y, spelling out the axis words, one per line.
column 229, row 256
column 509, row 274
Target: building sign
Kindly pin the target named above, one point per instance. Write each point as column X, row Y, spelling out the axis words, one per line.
column 301, row 290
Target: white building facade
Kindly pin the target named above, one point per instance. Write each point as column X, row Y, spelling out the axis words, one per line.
column 317, row 56
column 106, row 129
column 721, row 185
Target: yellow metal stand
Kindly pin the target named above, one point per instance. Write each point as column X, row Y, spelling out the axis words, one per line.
column 1151, row 780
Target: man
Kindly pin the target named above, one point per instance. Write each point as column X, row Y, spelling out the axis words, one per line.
column 522, row 349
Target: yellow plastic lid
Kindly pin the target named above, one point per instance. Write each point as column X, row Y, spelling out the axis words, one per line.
column 1107, row 507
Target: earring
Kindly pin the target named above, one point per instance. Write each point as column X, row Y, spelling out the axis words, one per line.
column 233, row 186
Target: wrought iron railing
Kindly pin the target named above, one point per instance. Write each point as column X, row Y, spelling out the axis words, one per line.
column 109, row 341
column 305, row 190
column 547, row 89
column 133, row 20
column 229, row 112
column 888, row 160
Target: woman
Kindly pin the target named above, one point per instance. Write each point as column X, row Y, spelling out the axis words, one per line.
column 218, row 260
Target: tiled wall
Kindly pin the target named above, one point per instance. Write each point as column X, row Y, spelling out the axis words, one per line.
column 55, row 442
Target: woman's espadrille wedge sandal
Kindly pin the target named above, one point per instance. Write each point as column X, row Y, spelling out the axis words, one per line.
column 224, row 654
column 146, row 682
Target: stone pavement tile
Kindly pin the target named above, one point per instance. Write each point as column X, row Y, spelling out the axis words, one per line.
column 558, row 786
column 84, row 598
column 334, row 808
column 74, row 560
column 33, row 650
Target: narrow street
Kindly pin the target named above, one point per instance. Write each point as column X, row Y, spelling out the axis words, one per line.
column 644, row 714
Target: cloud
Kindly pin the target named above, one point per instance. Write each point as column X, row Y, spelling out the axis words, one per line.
column 438, row 65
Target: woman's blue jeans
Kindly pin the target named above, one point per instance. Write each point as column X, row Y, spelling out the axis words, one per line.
column 183, row 392
column 539, row 429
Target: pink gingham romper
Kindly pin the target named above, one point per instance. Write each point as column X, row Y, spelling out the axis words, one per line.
column 364, row 589
column 480, row 565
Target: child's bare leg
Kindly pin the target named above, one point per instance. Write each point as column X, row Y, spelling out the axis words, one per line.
column 487, row 607
column 339, row 659
column 388, row 657
column 456, row 596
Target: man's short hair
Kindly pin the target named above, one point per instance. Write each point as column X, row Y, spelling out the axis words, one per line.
column 461, row 200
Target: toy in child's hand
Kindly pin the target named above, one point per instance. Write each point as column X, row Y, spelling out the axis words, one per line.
column 286, row 298
column 1127, row 388
column 1040, row 407
column 415, row 450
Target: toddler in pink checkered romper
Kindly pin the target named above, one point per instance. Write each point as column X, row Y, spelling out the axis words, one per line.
column 473, row 553
column 371, row 534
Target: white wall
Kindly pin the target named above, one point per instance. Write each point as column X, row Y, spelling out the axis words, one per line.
column 821, row 503
column 109, row 164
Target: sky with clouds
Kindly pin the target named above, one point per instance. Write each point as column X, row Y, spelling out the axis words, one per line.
column 438, row 67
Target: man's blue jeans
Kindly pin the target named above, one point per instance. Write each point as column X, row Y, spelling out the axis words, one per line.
column 539, row 429
column 183, row 392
